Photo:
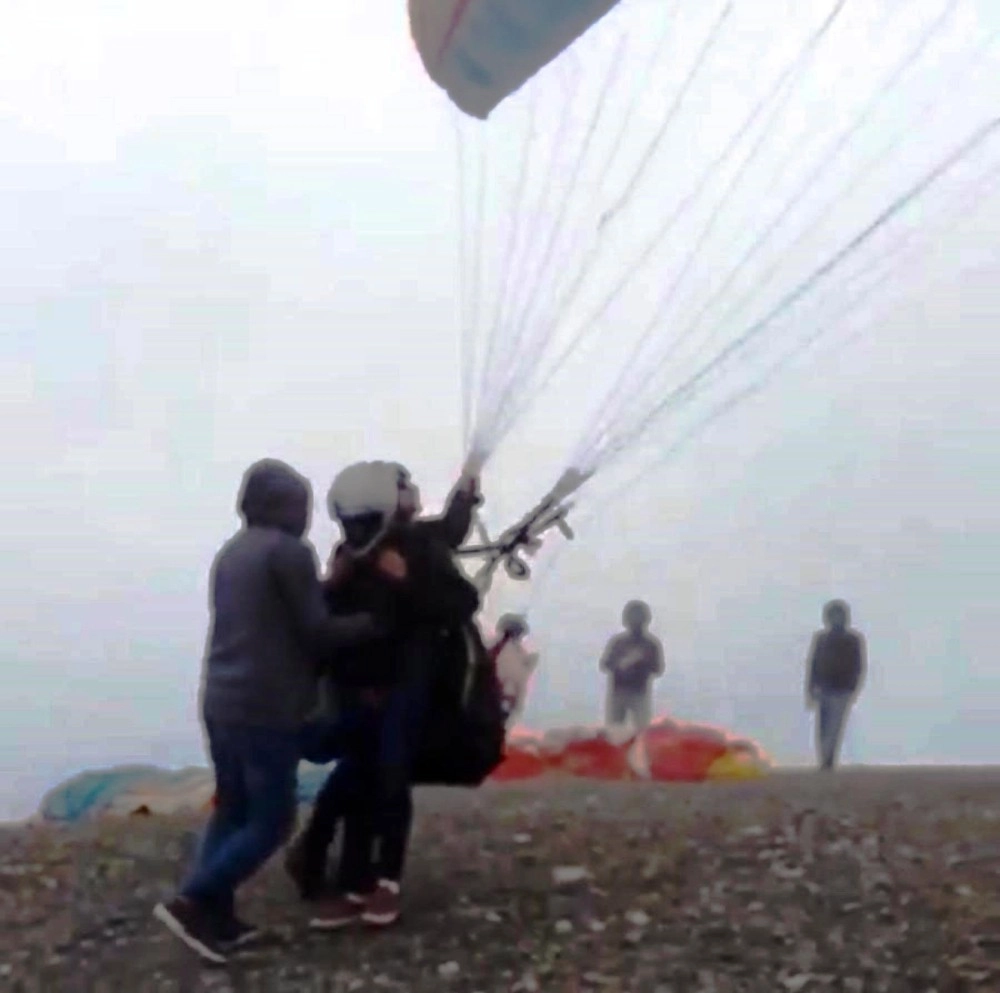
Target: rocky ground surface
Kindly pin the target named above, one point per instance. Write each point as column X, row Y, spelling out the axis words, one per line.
column 866, row 882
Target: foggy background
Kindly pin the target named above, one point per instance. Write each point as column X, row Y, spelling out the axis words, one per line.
column 225, row 235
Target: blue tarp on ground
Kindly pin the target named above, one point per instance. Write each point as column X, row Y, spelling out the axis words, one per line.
column 93, row 791
column 125, row 789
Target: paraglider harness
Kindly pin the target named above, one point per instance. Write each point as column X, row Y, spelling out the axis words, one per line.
column 521, row 539
column 464, row 742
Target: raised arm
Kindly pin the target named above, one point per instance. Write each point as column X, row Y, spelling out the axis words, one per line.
column 453, row 526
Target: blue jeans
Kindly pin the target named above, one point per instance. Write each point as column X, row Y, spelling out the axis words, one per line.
column 832, row 711
column 255, row 782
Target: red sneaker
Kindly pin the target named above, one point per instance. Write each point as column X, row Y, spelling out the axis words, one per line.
column 382, row 907
column 338, row 912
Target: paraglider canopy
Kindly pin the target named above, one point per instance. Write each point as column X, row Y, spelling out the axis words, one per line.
column 694, row 277
column 481, row 51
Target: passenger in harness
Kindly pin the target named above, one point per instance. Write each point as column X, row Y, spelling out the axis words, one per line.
column 404, row 569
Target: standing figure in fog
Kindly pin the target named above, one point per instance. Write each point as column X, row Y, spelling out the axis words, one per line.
column 514, row 664
column 632, row 660
column 835, row 671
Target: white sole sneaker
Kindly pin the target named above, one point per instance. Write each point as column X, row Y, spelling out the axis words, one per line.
column 379, row 920
column 332, row 923
column 343, row 921
column 374, row 918
column 162, row 913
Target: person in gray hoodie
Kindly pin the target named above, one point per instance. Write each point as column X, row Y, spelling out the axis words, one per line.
column 271, row 634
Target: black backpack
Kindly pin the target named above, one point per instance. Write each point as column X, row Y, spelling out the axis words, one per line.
column 463, row 739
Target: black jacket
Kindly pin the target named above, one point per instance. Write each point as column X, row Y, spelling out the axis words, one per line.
column 837, row 661
column 435, row 597
column 452, row 527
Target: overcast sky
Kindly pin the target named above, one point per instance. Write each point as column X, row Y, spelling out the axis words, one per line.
column 229, row 231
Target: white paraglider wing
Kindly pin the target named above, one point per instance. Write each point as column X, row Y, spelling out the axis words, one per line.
column 690, row 196
column 481, row 51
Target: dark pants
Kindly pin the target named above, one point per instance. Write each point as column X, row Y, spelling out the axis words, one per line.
column 348, row 737
column 349, row 794
column 375, row 745
column 833, row 710
column 399, row 728
column 370, row 788
column 255, row 783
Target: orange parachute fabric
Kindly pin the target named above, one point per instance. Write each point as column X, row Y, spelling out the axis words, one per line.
column 481, row 51
column 589, row 752
column 523, row 758
column 682, row 754
column 669, row 751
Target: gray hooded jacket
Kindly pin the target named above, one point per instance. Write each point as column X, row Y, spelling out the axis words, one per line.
column 271, row 631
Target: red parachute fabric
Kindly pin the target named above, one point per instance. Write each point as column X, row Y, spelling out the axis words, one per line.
column 668, row 752
column 593, row 754
column 523, row 758
column 682, row 754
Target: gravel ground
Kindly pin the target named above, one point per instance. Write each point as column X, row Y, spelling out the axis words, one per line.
column 872, row 880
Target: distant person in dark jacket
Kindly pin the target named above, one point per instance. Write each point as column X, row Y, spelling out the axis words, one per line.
column 835, row 672
column 401, row 567
column 632, row 660
column 270, row 633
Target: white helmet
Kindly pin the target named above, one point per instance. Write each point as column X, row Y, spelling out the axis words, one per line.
column 364, row 499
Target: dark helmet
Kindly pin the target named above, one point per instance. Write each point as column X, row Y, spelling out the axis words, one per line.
column 512, row 625
column 636, row 614
column 837, row 613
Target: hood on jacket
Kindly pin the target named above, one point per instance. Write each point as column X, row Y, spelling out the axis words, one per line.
column 274, row 495
column 837, row 614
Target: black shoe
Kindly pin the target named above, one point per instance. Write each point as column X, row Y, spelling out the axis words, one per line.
column 194, row 926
